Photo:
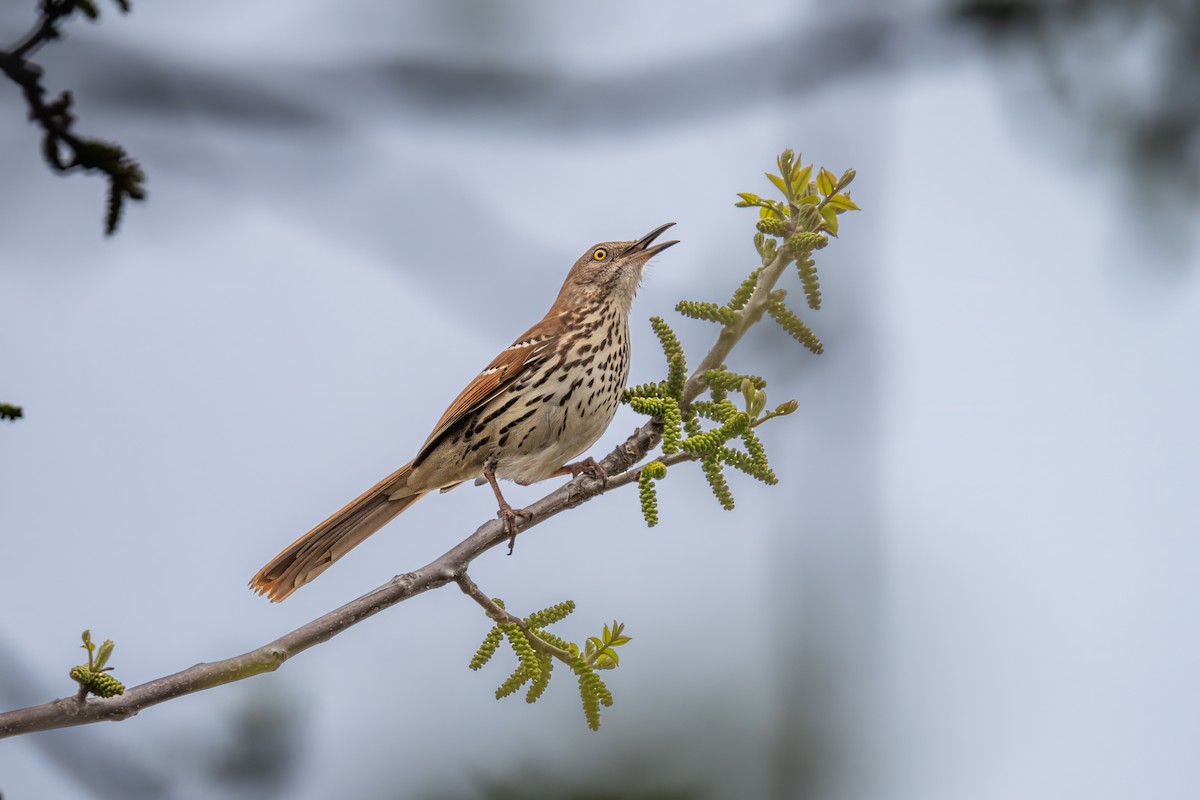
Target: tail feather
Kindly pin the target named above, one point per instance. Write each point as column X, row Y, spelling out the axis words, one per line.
column 314, row 552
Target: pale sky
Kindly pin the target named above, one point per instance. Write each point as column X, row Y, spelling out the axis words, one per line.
column 976, row 577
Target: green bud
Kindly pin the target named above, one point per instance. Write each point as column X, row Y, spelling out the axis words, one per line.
column 757, row 404
column 806, row 241
column 768, row 252
column 773, row 227
column 105, row 685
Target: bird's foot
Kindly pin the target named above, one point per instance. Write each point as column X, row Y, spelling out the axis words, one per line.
column 509, row 516
column 588, row 466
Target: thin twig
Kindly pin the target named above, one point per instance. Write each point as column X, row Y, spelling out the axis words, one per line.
column 495, row 612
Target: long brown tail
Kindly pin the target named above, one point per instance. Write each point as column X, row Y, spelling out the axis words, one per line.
column 313, row 553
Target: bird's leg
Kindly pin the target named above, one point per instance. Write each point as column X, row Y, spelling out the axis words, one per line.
column 506, row 512
column 588, row 466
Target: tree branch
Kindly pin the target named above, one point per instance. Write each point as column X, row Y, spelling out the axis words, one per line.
column 447, row 568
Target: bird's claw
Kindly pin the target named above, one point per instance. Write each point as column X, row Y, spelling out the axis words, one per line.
column 590, row 467
column 509, row 516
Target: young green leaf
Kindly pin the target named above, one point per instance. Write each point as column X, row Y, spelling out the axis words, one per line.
column 778, row 181
column 825, row 182
column 829, row 214
column 801, row 179
column 842, row 202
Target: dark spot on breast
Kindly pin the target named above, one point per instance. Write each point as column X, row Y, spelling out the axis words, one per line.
column 513, row 423
column 497, row 412
column 562, row 401
column 521, row 443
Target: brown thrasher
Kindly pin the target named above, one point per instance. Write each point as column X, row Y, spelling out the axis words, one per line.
column 545, row 399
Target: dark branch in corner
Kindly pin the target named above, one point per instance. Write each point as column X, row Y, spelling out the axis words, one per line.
column 63, row 149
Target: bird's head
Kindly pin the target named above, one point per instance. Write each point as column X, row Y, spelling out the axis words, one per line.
column 611, row 271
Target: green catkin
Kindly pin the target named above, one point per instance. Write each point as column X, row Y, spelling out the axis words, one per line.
column 512, row 683
column 666, row 337
column 642, row 390
column 676, row 376
column 744, row 292
column 672, row 418
column 747, row 464
column 591, row 707
column 707, row 311
column 716, row 480
column 654, row 406
column 522, row 647
column 551, row 615
column 731, row 381
column 100, row 684
column 105, row 685
column 703, row 443
column 717, row 412
column 756, row 451
column 666, row 409
column 795, row 326
column 551, row 639
column 592, row 692
column 773, row 227
column 488, row 649
column 649, row 499
column 807, row 241
column 539, row 684
column 809, row 280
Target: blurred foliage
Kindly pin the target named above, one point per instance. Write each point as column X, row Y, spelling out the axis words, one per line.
column 545, row 786
column 62, row 148
column 1126, row 71
column 620, row 781
column 261, row 748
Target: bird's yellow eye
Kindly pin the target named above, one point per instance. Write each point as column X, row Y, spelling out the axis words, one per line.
column 600, row 254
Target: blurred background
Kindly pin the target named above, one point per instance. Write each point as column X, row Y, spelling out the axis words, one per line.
column 977, row 577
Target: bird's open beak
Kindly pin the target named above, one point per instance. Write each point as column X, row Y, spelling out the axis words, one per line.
column 642, row 245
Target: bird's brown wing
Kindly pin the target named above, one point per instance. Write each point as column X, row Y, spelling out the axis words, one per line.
column 527, row 352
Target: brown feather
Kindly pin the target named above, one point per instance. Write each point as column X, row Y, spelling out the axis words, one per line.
column 496, row 377
column 313, row 553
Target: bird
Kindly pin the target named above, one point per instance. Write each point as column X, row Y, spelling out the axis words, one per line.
column 544, row 400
